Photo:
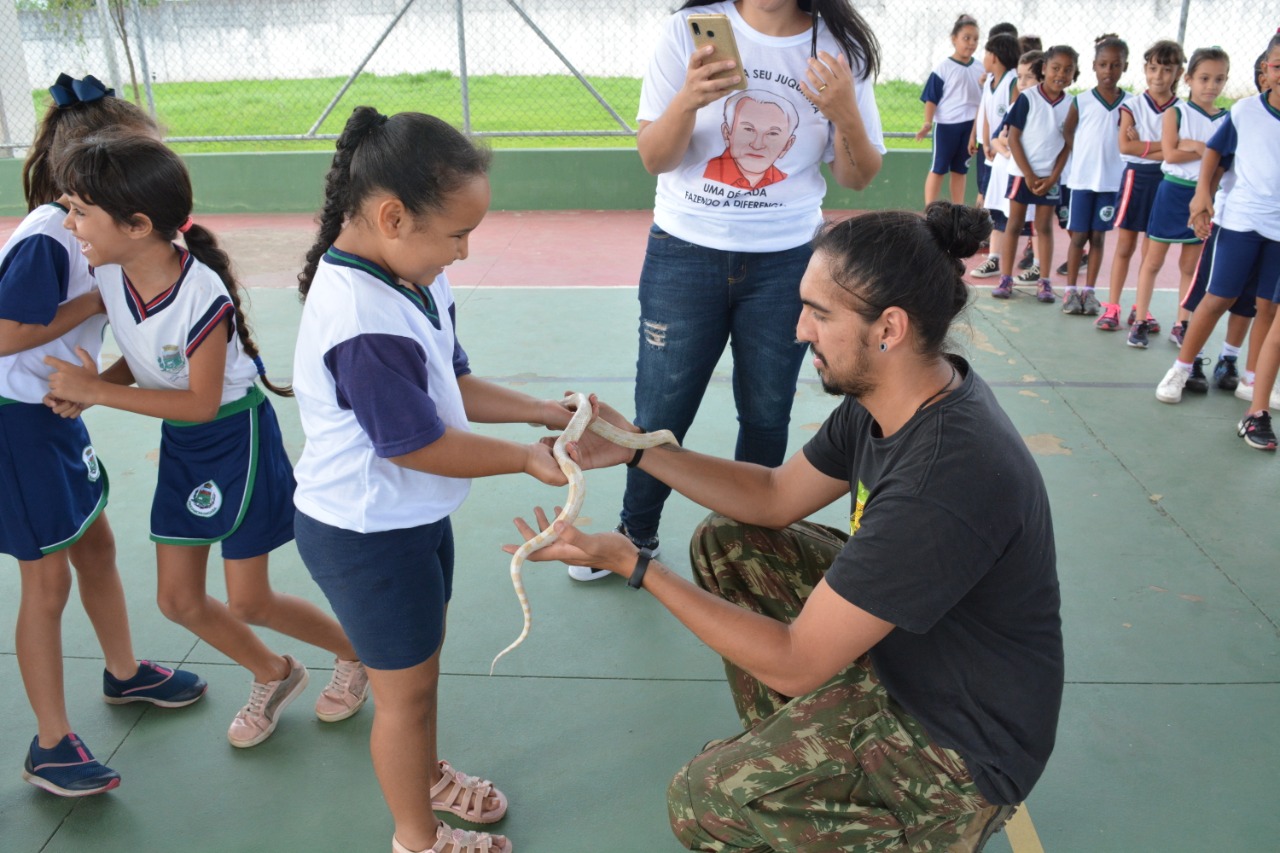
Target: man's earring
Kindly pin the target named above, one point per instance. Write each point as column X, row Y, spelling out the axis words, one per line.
column 884, row 347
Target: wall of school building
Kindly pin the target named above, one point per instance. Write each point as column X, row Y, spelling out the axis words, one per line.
column 522, row 179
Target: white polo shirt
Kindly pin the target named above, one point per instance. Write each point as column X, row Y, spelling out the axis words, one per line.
column 956, row 88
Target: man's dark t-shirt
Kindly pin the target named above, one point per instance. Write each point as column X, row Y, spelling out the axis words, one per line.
column 953, row 544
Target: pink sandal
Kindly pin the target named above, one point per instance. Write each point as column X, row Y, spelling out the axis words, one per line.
column 464, row 796
column 450, row 840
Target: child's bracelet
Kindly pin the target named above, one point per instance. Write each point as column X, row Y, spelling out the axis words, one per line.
column 1146, row 151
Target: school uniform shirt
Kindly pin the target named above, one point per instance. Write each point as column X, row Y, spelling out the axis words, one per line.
column 375, row 373
column 1041, row 121
column 1095, row 150
column 956, row 88
column 157, row 337
column 41, row 267
column 1148, row 120
column 995, row 197
column 1197, row 125
column 997, row 97
column 1251, row 136
column 749, row 180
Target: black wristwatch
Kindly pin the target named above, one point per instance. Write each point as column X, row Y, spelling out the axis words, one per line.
column 642, row 564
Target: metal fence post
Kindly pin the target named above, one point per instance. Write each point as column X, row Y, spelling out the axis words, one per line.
column 462, row 72
column 1182, row 21
column 108, row 45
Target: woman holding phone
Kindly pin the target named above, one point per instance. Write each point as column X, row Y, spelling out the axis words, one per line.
column 739, row 197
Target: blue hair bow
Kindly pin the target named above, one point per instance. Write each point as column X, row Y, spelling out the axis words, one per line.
column 68, row 91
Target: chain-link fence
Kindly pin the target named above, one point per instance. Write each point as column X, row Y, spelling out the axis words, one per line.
column 257, row 74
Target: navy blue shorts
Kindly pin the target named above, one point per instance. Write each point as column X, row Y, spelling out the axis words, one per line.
column 52, row 486
column 1019, row 192
column 951, row 148
column 226, row 481
column 1137, row 193
column 999, row 221
column 1170, row 212
column 984, row 170
column 388, row 589
column 1242, row 307
column 1244, row 264
column 1091, row 211
column 1064, row 205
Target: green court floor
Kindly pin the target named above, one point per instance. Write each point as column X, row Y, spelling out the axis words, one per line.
column 1169, row 736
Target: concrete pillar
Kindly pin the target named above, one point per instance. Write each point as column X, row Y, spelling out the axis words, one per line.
column 17, row 113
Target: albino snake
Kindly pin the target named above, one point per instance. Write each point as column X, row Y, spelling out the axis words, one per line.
column 577, row 491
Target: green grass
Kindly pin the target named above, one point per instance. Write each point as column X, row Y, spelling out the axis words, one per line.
column 498, row 103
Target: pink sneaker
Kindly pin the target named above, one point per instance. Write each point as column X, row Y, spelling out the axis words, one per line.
column 345, row 693
column 257, row 720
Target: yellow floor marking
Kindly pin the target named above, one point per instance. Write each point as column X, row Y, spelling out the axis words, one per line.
column 1022, row 833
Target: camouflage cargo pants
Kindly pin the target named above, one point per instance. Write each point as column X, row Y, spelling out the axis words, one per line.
column 842, row 768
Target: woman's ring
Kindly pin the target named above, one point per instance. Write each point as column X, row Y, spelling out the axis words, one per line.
column 823, row 86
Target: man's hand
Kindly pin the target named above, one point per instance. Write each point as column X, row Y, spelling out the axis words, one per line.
column 610, row 551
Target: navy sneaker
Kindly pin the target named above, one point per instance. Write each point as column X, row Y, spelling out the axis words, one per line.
column 1256, row 431
column 1225, row 375
column 167, row 688
column 68, row 770
column 1138, row 335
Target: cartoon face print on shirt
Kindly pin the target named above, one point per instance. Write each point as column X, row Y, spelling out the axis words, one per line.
column 758, row 129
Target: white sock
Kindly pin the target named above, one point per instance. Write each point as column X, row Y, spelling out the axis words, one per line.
column 1182, row 365
column 1229, row 350
column 1248, row 377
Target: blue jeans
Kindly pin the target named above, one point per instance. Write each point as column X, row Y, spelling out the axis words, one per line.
column 692, row 301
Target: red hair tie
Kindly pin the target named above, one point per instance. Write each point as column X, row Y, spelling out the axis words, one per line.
column 186, row 226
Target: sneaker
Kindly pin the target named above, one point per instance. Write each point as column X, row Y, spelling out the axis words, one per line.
column 1071, row 303
column 1084, row 262
column 68, row 769
column 346, row 692
column 1004, row 289
column 1197, row 381
column 586, row 573
column 1153, row 325
column 990, row 267
column 257, row 720
column 1110, row 319
column 1177, row 333
column 1245, row 392
column 1044, row 292
column 1256, row 431
column 1170, row 388
column 1225, row 375
column 1028, row 256
column 1138, row 335
column 984, row 825
column 1089, row 303
column 1030, row 276
column 166, row 688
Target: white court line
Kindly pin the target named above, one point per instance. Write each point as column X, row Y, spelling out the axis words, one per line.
column 1022, row 833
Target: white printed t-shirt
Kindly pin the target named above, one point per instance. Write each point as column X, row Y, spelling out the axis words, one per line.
column 375, row 372
column 956, row 88
column 1251, row 135
column 762, row 191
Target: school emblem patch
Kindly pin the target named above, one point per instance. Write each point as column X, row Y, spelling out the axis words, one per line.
column 91, row 464
column 860, row 503
column 170, row 360
column 1107, row 213
column 205, row 500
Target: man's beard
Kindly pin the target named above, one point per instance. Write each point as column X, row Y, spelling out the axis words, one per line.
column 859, row 383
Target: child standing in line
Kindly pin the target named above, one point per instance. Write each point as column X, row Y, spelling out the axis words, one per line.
column 1141, row 123
column 53, row 487
column 996, row 202
column 1001, row 62
column 224, row 476
column 1041, row 123
column 950, row 99
column 386, row 393
column 1096, row 170
column 1187, row 127
column 1247, row 251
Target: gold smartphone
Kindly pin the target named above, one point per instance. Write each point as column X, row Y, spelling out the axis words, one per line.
column 715, row 30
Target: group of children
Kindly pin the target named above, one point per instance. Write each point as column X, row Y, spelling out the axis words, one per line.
column 385, row 394
column 1147, row 166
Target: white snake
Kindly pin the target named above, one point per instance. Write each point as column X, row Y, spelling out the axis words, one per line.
column 577, row 491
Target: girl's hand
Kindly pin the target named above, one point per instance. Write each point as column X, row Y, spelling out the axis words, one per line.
column 611, row 551
column 1191, row 145
column 973, row 147
column 924, row 131
column 1201, row 218
column 541, row 464
column 1131, row 133
column 830, row 88
column 74, row 383
column 63, row 408
column 699, row 89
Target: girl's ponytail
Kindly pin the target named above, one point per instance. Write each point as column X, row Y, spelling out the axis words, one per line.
column 337, row 190
column 204, row 248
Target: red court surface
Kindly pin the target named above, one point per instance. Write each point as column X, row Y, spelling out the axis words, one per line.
column 560, row 248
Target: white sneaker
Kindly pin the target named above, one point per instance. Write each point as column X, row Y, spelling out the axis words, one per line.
column 257, row 720
column 1170, row 388
column 1245, row 392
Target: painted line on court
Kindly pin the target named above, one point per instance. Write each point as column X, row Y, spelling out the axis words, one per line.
column 527, row 378
column 1023, row 837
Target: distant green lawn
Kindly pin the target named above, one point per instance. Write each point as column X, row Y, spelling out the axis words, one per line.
column 498, row 103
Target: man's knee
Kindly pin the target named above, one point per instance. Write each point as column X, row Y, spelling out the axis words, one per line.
column 702, row 816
